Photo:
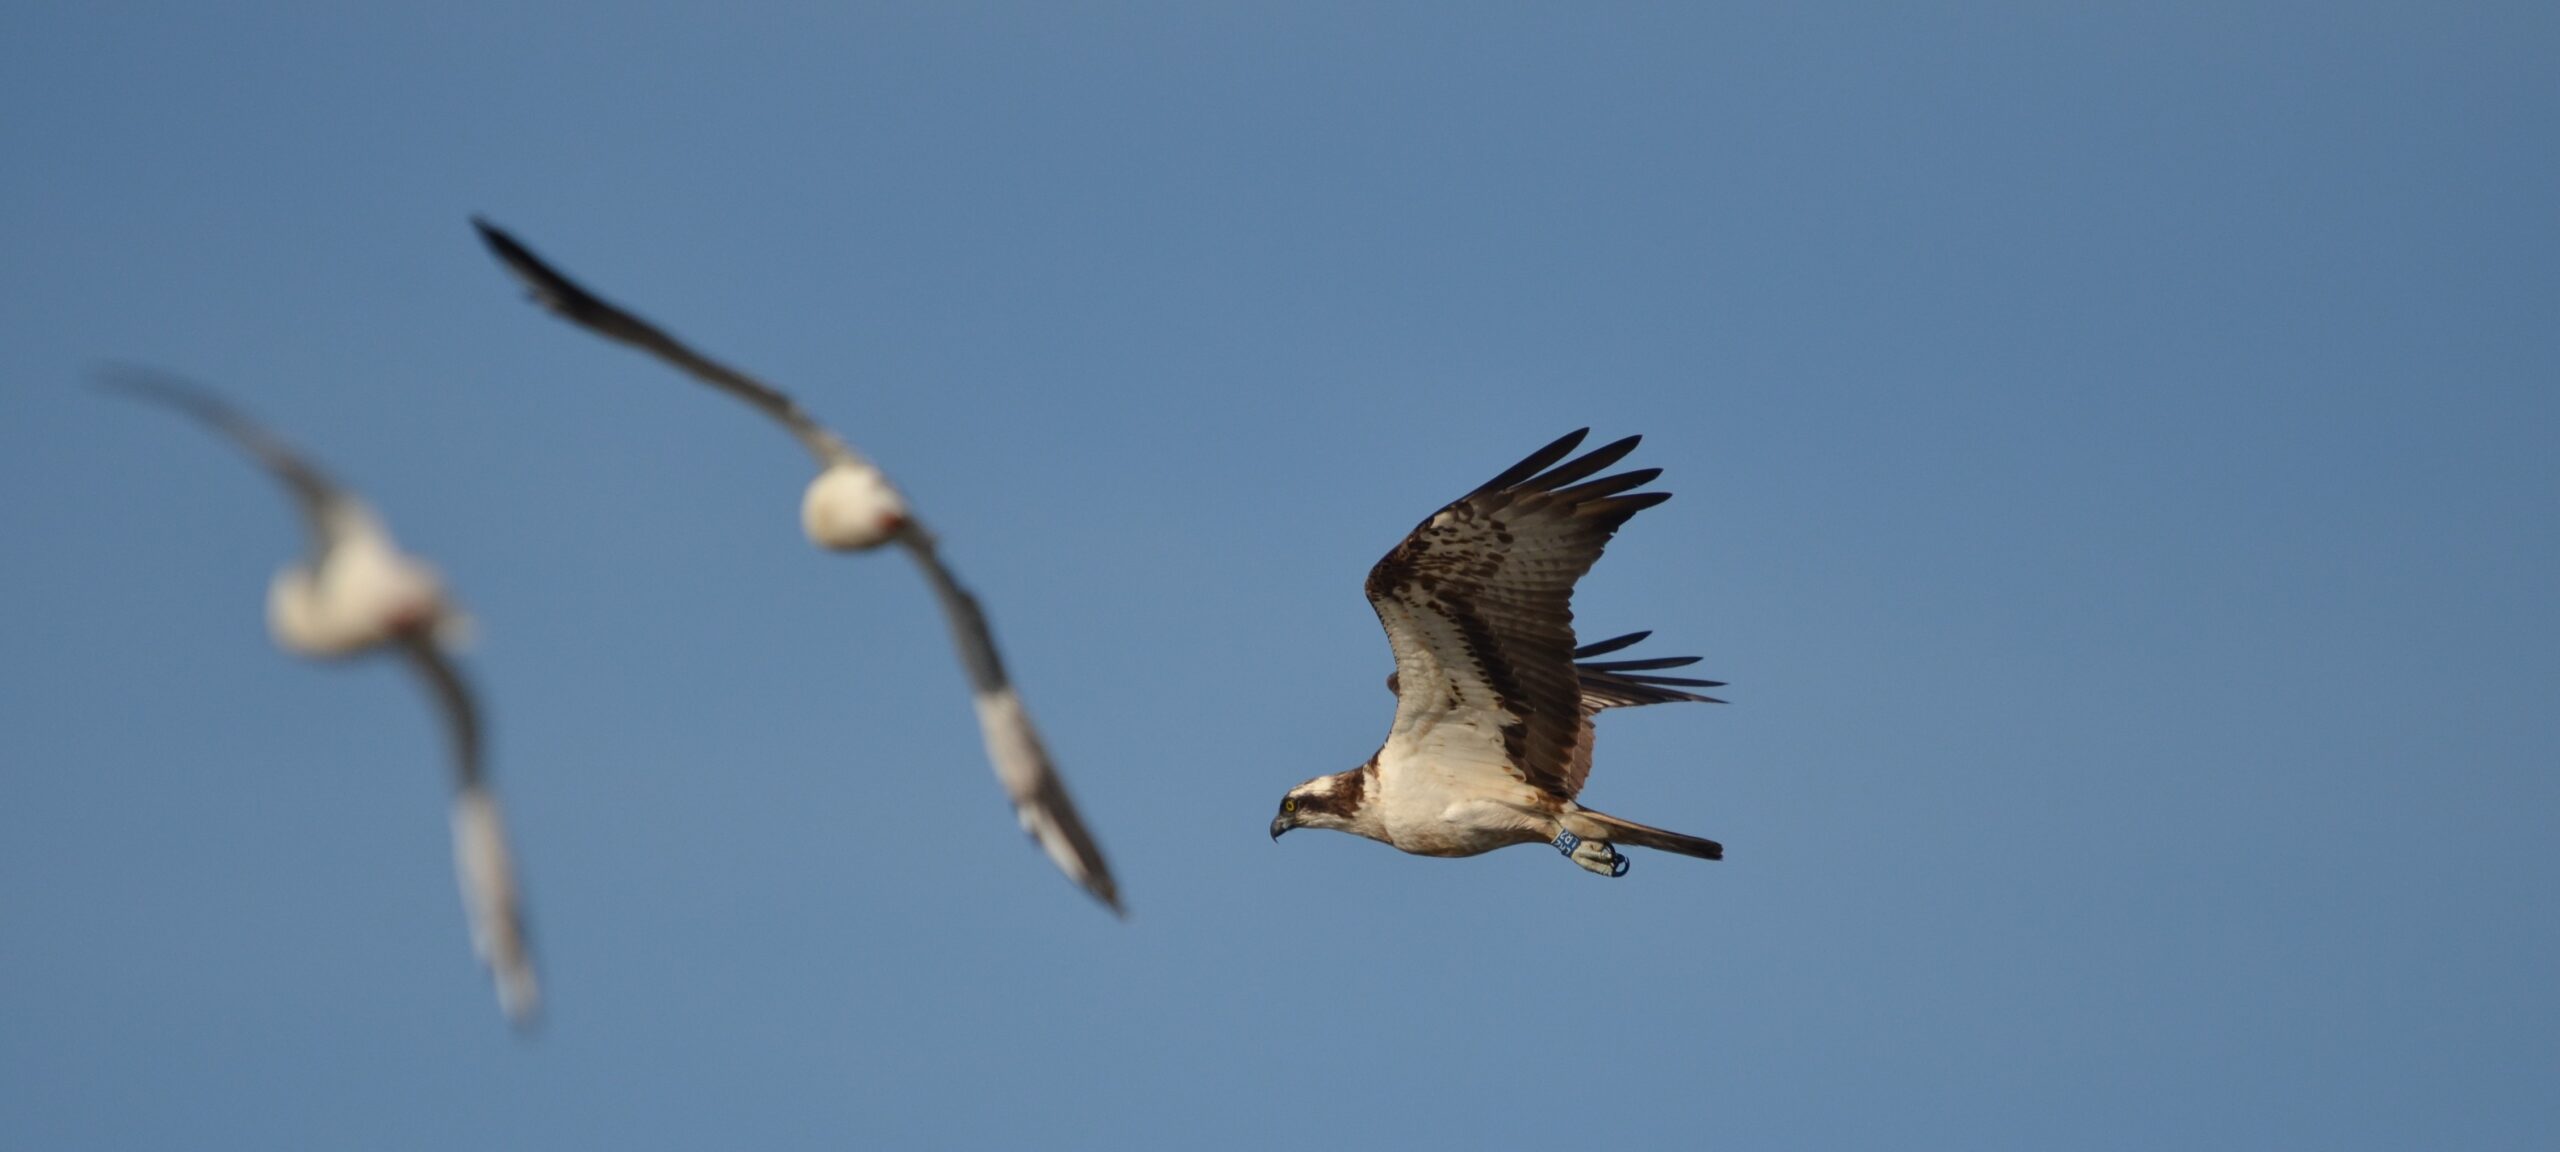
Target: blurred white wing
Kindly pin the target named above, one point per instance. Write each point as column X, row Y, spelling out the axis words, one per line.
column 1021, row 762
column 491, row 900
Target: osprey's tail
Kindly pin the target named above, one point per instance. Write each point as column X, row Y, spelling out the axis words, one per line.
column 1628, row 683
column 1617, row 831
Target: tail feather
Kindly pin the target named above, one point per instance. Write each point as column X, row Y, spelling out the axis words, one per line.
column 1647, row 836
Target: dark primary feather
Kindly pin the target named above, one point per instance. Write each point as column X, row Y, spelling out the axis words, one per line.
column 1613, row 684
column 1530, row 465
column 554, row 290
column 315, row 496
column 1612, row 644
column 1593, row 461
column 1642, row 665
column 1606, row 683
column 1612, row 485
column 1603, row 690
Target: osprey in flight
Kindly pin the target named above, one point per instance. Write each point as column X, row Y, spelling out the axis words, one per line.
column 851, row 506
column 1492, row 736
column 355, row 592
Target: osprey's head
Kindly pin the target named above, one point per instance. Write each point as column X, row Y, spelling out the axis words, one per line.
column 1324, row 802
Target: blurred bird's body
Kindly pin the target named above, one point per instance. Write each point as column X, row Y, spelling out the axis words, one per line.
column 355, row 592
column 851, row 507
column 358, row 593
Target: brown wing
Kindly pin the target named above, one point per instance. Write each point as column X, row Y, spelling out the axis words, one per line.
column 1477, row 603
column 587, row 310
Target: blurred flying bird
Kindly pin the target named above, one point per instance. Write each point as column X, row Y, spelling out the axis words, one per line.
column 355, row 592
column 851, row 506
column 1492, row 735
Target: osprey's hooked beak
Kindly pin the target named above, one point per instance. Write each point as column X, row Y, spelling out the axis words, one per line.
column 1280, row 824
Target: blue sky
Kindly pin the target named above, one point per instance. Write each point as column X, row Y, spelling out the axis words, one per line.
column 2114, row 457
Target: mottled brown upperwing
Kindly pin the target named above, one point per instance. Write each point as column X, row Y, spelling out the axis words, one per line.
column 1496, row 569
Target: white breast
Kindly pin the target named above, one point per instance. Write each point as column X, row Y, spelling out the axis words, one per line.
column 850, row 507
column 363, row 591
column 1447, row 801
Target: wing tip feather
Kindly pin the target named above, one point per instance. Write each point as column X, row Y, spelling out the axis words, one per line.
column 1612, row 644
column 1535, row 462
column 1586, row 464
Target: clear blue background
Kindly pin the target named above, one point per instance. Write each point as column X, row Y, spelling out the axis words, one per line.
column 2116, row 468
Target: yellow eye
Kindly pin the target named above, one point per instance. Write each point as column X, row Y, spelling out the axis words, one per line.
column 1289, row 805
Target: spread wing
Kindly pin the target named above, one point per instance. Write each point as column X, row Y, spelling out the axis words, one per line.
column 1477, row 603
column 1021, row 762
column 480, row 851
column 587, row 310
column 490, row 898
column 323, row 505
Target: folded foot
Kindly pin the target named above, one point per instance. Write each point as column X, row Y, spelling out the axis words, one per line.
column 1593, row 855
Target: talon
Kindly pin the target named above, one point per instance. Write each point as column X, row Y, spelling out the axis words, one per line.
column 1596, row 856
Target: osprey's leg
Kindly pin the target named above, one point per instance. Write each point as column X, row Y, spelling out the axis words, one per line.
column 1594, row 855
